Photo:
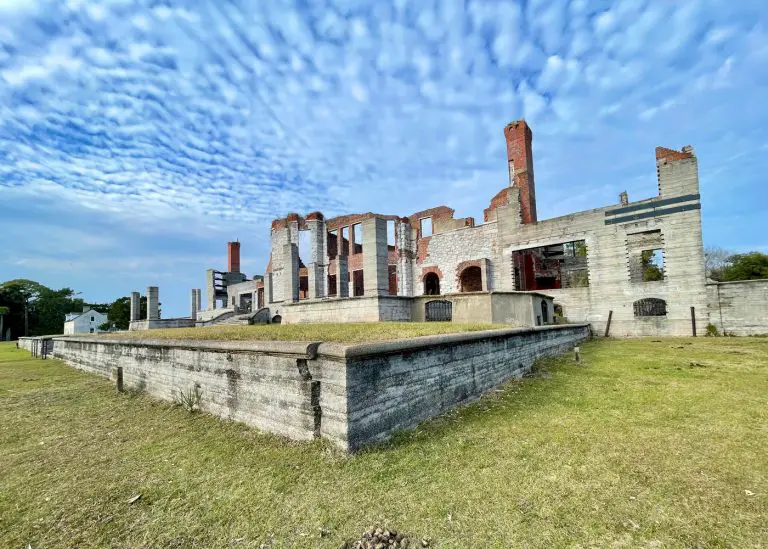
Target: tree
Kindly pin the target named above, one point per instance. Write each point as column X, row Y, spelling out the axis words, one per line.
column 715, row 259
column 651, row 271
column 119, row 313
column 749, row 266
column 3, row 311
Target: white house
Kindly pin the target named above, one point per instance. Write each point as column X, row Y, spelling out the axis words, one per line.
column 83, row 323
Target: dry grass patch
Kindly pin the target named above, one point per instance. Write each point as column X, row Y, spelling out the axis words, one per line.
column 342, row 333
column 637, row 448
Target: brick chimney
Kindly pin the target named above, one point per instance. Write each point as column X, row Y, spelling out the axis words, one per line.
column 520, row 159
column 233, row 257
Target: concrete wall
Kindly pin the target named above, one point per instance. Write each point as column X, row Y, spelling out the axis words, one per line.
column 516, row 308
column 351, row 395
column 608, row 233
column 350, row 309
column 395, row 385
column 258, row 383
column 138, row 325
column 739, row 308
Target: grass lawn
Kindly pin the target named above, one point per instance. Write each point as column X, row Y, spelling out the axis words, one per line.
column 342, row 333
column 653, row 443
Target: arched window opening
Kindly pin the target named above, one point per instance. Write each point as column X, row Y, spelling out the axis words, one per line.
column 431, row 284
column 471, row 280
column 650, row 306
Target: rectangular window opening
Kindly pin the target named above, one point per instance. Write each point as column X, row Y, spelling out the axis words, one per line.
column 552, row 267
column 391, row 242
column 357, row 235
column 305, row 247
column 344, row 249
column 653, row 265
column 333, row 244
column 425, row 226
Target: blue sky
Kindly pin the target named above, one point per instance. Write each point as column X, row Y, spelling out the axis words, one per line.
column 137, row 137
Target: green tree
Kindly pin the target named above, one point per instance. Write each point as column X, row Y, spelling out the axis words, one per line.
column 651, row 270
column 749, row 266
column 3, row 311
column 119, row 312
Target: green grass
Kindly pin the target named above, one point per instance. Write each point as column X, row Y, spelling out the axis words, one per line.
column 342, row 333
column 653, row 443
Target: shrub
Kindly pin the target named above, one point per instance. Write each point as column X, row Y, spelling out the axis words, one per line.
column 189, row 399
column 712, row 331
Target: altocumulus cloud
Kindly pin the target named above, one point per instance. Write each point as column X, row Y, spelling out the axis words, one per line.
column 136, row 137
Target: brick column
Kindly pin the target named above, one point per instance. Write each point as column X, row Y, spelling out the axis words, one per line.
column 135, row 306
column 291, row 273
column 375, row 271
column 153, row 303
column 342, row 274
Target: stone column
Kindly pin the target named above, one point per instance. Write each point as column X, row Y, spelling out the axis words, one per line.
column 375, row 270
column 291, row 273
column 198, row 295
column 405, row 259
column 193, row 307
column 135, row 306
column 484, row 275
column 267, row 289
column 316, row 266
column 342, row 276
column 211, row 289
column 153, row 302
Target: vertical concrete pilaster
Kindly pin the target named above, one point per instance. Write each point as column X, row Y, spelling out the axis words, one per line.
column 198, row 295
column 210, row 289
column 267, row 289
column 405, row 259
column 316, row 267
column 375, row 270
column 193, row 305
column 291, row 272
column 135, row 306
column 342, row 276
column 153, row 303
column 484, row 275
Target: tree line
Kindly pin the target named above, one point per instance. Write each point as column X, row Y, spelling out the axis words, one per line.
column 724, row 266
column 30, row 308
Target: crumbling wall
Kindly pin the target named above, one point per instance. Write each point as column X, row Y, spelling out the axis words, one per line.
column 446, row 251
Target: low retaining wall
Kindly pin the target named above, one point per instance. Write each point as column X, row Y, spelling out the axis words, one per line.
column 348, row 309
column 739, row 308
column 39, row 346
column 139, row 325
column 352, row 395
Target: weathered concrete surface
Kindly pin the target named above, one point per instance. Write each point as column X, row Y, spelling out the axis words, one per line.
column 350, row 309
column 138, row 325
column 349, row 394
column 397, row 384
column 739, row 308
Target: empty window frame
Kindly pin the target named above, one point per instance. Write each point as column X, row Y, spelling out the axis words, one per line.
column 305, row 247
column 333, row 244
column 357, row 237
column 344, row 244
column 552, row 267
column 391, row 242
column 425, row 226
column 650, row 306
column 645, row 253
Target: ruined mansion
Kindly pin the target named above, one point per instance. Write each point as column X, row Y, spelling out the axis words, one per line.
column 636, row 268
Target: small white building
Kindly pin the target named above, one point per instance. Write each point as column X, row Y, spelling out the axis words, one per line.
column 87, row 322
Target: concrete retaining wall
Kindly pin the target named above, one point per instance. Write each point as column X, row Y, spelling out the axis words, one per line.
column 352, row 395
column 739, row 308
column 138, row 325
column 349, row 309
column 395, row 385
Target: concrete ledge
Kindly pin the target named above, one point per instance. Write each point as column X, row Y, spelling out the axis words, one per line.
column 296, row 349
column 340, row 351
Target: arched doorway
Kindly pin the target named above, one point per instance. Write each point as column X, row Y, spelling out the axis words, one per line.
column 431, row 284
column 471, row 280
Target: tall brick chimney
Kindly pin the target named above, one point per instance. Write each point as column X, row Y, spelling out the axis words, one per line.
column 233, row 257
column 520, row 159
